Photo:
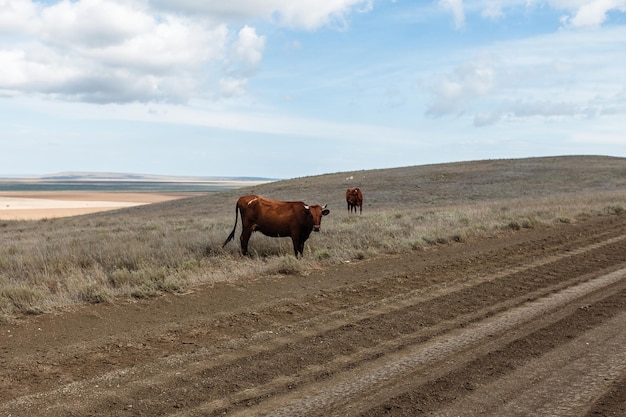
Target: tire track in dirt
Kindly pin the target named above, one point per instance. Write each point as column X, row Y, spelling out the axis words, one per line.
column 356, row 327
column 590, row 363
column 357, row 390
column 143, row 379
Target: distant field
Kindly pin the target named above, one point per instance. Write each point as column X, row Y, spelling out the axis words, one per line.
column 33, row 199
column 122, row 186
column 36, row 205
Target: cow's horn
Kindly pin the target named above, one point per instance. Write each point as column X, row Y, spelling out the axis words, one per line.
column 306, row 207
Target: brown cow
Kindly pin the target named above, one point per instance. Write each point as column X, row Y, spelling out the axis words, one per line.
column 354, row 198
column 274, row 218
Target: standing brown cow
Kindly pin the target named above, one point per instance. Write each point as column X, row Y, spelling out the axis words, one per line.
column 354, row 198
column 274, row 218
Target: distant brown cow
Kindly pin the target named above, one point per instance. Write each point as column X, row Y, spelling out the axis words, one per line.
column 274, row 218
column 354, row 198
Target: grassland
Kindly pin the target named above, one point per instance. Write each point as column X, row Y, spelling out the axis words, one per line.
column 54, row 264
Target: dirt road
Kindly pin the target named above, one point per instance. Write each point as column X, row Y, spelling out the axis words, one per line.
column 532, row 323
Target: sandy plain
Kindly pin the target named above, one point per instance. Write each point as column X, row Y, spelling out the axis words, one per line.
column 35, row 205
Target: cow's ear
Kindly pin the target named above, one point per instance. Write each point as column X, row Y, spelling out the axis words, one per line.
column 325, row 212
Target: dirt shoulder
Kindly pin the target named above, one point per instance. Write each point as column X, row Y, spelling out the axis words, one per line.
column 488, row 327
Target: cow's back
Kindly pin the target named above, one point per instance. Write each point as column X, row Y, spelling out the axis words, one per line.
column 274, row 218
column 247, row 207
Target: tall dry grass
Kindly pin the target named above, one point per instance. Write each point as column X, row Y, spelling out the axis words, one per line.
column 43, row 267
column 54, row 264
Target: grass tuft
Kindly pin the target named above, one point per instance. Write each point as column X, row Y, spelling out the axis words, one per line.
column 23, row 298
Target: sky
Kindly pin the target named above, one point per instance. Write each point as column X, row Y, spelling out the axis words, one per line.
column 292, row 88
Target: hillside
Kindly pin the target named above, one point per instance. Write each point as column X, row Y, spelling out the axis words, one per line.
column 173, row 245
column 431, row 185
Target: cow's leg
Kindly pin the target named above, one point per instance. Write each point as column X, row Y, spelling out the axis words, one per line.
column 245, row 237
column 298, row 247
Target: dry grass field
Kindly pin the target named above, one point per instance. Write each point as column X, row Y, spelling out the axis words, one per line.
column 458, row 282
column 172, row 245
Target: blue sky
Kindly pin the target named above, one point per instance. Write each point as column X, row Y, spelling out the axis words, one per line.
column 287, row 88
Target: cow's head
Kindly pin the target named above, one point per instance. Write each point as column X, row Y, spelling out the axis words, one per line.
column 316, row 212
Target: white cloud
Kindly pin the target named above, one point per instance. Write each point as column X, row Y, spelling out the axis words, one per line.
column 311, row 14
column 167, row 46
column 17, row 16
column 107, row 51
column 232, row 86
column 486, row 119
column 566, row 75
column 175, row 50
column 457, row 9
column 249, row 48
column 305, row 14
column 91, row 23
column 593, row 13
column 454, row 91
column 247, row 52
column 119, row 51
column 493, row 10
column 580, row 13
column 544, row 109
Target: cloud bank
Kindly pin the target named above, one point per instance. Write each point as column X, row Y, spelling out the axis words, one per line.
column 572, row 73
column 174, row 51
column 117, row 51
column 577, row 13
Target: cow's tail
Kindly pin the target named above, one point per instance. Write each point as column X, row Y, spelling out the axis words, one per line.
column 232, row 234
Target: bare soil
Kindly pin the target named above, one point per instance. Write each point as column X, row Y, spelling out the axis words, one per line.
column 35, row 205
column 529, row 323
